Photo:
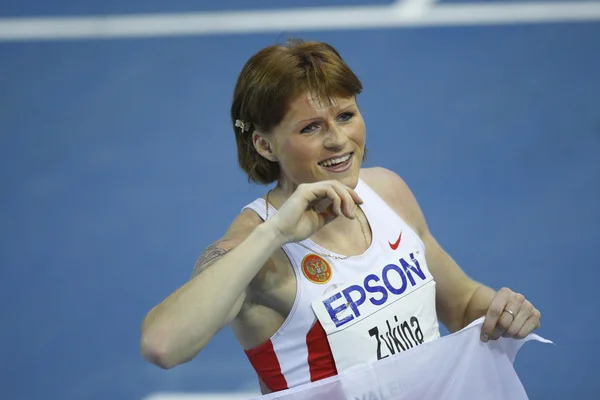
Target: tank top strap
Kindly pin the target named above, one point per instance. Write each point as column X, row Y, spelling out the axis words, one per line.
column 259, row 207
column 369, row 196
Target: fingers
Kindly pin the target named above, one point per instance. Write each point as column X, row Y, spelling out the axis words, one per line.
column 520, row 319
column 503, row 313
column 500, row 322
column 355, row 197
column 328, row 214
column 331, row 197
column 348, row 198
column 511, row 315
column 335, row 197
column 493, row 314
column 532, row 323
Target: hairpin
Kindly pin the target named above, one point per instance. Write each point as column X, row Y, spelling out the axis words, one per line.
column 241, row 124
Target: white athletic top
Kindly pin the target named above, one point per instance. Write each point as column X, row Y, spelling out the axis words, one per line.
column 351, row 312
column 455, row 367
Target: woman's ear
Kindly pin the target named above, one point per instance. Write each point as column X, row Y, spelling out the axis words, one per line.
column 263, row 146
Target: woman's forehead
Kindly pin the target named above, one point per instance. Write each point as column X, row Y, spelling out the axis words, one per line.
column 311, row 103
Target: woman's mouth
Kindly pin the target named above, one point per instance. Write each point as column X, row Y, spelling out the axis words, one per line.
column 338, row 164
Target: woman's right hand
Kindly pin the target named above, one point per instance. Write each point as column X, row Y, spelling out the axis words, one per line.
column 311, row 207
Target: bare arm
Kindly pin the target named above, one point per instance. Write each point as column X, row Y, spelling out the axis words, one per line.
column 459, row 299
column 210, row 255
column 177, row 329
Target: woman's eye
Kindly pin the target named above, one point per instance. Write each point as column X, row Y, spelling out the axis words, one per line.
column 343, row 117
column 309, row 128
column 346, row 116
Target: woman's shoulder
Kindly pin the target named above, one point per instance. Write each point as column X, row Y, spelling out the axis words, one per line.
column 385, row 182
column 242, row 225
column 395, row 192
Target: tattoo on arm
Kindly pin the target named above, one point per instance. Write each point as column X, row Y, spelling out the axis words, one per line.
column 211, row 255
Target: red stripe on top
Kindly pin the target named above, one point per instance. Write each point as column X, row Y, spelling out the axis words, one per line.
column 320, row 359
column 265, row 363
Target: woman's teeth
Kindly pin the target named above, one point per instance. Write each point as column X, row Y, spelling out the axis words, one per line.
column 334, row 161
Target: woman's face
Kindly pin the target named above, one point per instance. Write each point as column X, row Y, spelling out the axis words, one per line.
column 317, row 142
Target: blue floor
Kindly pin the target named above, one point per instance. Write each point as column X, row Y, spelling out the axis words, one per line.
column 118, row 166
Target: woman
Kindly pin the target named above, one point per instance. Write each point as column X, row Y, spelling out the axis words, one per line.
column 310, row 275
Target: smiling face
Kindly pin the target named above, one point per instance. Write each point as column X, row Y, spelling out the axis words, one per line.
column 317, row 141
column 282, row 134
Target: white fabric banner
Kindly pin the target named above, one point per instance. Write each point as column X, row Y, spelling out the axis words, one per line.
column 454, row 367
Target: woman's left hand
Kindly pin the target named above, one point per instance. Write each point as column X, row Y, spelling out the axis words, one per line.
column 510, row 315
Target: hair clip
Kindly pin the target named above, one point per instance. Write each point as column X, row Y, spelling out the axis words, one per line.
column 241, row 124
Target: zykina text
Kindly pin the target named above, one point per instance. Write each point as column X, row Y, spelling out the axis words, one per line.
column 396, row 337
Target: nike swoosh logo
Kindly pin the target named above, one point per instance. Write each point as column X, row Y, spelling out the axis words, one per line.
column 395, row 245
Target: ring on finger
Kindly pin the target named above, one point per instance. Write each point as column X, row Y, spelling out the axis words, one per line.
column 510, row 312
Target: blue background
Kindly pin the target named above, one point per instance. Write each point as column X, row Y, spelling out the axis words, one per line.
column 118, row 166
